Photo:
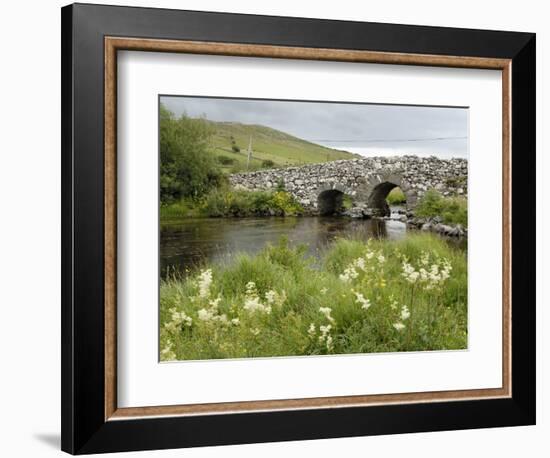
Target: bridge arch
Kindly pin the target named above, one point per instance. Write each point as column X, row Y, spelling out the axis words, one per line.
column 330, row 198
column 378, row 188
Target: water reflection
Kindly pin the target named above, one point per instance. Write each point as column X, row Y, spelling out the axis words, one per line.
column 194, row 241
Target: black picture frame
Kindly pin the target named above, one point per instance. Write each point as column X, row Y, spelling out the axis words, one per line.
column 84, row 428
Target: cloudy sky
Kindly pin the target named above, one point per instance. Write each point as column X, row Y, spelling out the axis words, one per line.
column 369, row 130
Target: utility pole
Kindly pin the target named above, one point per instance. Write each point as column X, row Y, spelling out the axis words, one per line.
column 249, row 153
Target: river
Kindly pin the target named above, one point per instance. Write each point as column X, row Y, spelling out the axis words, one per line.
column 190, row 242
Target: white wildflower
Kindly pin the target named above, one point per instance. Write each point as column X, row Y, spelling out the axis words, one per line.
column 167, row 354
column 399, row 326
column 311, row 331
column 360, row 263
column 274, row 298
column 215, row 302
column 270, row 297
column 405, row 313
column 235, row 321
column 253, row 304
column 255, row 331
column 205, row 315
column 381, row 258
column 409, row 273
column 204, row 282
column 327, row 312
column 323, row 291
column 325, row 337
column 360, row 299
column 349, row 274
column 251, row 288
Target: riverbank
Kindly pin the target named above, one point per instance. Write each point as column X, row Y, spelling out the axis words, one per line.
column 378, row 296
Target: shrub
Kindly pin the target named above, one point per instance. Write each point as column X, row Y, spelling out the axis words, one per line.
column 225, row 160
column 267, row 164
column 453, row 210
column 228, row 202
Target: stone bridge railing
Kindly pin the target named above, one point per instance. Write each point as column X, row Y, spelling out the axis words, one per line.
column 320, row 187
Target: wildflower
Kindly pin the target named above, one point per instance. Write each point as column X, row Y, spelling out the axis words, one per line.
column 323, row 291
column 235, row 322
column 349, row 274
column 251, row 289
column 178, row 319
column 405, row 313
column 204, row 282
column 215, row 302
column 399, row 326
column 255, row 331
column 311, row 331
column 205, row 315
column 360, row 262
column 325, row 337
column 409, row 273
column 167, row 354
column 393, row 304
column 381, row 258
column 253, row 304
column 365, row 303
column 327, row 312
column 274, row 298
column 270, row 297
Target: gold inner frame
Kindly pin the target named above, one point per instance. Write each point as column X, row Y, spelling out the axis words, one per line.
column 114, row 44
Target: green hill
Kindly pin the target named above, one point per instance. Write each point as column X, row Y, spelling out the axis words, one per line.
column 270, row 147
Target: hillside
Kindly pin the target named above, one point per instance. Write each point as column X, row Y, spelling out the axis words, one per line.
column 267, row 145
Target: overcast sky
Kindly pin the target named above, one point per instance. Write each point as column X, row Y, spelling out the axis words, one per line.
column 369, row 130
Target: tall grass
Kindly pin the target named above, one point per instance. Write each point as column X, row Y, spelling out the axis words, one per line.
column 381, row 296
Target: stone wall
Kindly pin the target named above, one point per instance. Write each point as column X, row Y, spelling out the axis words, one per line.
column 366, row 180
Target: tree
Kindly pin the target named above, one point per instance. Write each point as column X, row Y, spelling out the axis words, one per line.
column 187, row 168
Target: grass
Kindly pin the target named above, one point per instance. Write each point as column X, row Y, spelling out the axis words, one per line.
column 362, row 299
column 452, row 210
column 184, row 208
column 270, row 147
column 396, row 197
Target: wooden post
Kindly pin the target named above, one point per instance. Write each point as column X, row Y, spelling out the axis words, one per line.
column 249, row 153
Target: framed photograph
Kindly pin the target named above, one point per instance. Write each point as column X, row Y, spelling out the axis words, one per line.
column 281, row 228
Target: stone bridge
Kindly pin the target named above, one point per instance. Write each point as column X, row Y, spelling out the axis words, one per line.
column 321, row 187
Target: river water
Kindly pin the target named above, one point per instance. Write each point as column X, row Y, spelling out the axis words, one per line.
column 190, row 242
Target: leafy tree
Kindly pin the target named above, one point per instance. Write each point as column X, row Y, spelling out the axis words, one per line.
column 187, row 168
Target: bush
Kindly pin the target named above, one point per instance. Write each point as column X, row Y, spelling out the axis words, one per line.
column 453, row 210
column 225, row 160
column 187, row 168
column 227, row 202
column 268, row 164
column 235, row 149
